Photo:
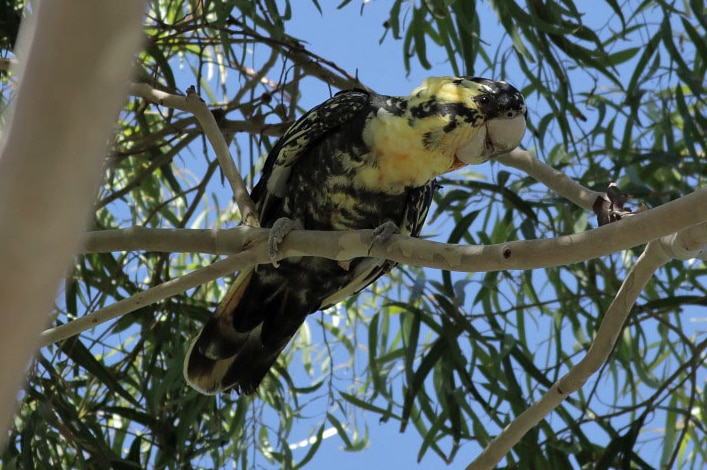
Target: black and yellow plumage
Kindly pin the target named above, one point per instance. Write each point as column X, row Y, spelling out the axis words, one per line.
column 356, row 161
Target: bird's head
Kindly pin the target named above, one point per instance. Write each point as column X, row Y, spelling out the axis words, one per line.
column 475, row 118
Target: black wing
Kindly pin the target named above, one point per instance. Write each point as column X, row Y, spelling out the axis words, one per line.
column 309, row 129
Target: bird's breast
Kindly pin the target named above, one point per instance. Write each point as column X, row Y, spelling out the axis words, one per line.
column 398, row 158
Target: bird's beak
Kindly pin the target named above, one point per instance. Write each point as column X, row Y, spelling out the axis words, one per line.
column 496, row 136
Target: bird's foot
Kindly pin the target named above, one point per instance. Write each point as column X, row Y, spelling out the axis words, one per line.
column 382, row 233
column 610, row 208
column 280, row 229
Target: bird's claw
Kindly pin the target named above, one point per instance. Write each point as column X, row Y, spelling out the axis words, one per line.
column 382, row 233
column 610, row 208
column 279, row 230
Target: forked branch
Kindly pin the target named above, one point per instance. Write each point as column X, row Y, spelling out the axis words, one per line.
column 685, row 244
column 194, row 104
column 650, row 260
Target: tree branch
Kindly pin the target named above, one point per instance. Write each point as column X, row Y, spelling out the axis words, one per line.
column 74, row 63
column 559, row 182
column 152, row 295
column 631, row 231
column 686, row 244
column 650, row 260
column 308, row 61
column 626, row 233
column 194, row 104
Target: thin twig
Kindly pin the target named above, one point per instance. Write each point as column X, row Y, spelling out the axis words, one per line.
column 313, row 65
column 559, row 182
column 149, row 296
column 194, row 104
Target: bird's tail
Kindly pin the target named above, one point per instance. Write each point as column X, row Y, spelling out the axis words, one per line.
column 221, row 358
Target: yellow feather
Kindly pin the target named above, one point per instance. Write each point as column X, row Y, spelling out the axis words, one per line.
column 407, row 151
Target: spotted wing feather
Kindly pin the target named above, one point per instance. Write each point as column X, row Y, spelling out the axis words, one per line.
column 302, row 135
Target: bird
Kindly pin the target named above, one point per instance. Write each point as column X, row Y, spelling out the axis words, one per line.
column 359, row 160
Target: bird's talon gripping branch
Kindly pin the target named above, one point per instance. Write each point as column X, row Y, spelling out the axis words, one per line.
column 280, row 229
column 382, row 233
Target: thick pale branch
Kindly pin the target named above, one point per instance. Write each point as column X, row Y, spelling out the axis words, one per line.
column 75, row 60
column 632, row 231
column 533, row 254
column 553, row 179
column 217, row 242
column 194, row 104
column 652, row 258
column 687, row 244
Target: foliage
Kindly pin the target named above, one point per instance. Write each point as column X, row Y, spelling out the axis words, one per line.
column 454, row 356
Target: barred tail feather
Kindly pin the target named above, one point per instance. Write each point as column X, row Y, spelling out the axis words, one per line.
column 241, row 372
column 238, row 345
column 213, row 351
column 203, row 374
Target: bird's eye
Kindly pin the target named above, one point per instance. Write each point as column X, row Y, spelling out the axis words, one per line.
column 483, row 99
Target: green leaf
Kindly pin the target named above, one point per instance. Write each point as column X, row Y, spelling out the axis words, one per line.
column 75, row 349
column 623, row 56
column 415, row 386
